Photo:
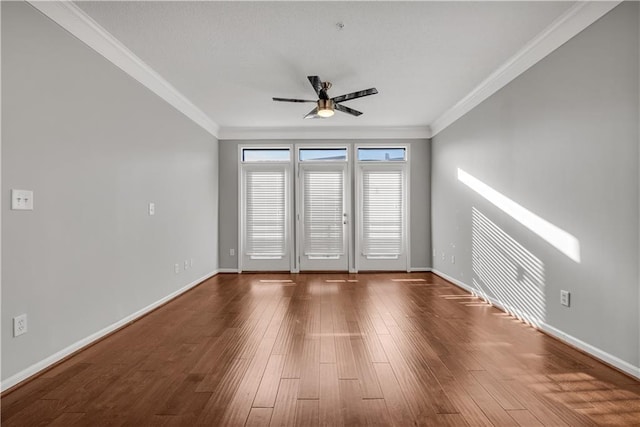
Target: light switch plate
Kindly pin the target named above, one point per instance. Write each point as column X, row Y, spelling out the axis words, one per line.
column 565, row 298
column 22, row 200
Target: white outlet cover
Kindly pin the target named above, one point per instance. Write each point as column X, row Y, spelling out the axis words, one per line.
column 19, row 325
column 152, row 208
column 22, row 200
column 177, row 268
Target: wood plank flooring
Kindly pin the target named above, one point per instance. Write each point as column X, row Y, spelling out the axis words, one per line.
column 327, row 349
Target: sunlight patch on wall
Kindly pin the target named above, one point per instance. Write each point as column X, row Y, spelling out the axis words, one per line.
column 557, row 237
column 507, row 271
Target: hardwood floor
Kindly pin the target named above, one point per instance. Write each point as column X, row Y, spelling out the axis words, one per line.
column 327, row 349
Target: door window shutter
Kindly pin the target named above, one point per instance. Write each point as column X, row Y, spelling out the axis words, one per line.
column 382, row 213
column 265, row 213
column 323, row 206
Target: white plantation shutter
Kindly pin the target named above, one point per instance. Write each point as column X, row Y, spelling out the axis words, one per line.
column 382, row 213
column 323, row 206
column 265, row 213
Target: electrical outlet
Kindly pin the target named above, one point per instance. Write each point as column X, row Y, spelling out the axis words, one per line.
column 19, row 325
column 152, row 208
column 22, row 200
column 186, row 264
column 442, row 255
column 565, row 298
column 232, row 252
column 177, row 268
column 453, row 259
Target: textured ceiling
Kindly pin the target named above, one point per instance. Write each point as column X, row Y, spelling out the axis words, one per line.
column 230, row 58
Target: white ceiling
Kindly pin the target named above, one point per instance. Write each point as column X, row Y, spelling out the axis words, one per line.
column 230, row 58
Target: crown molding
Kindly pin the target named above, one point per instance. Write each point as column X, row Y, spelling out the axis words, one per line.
column 84, row 28
column 321, row 132
column 565, row 27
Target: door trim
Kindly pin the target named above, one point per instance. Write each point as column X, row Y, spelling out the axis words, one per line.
column 348, row 199
column 241, row 201
column 358, row 202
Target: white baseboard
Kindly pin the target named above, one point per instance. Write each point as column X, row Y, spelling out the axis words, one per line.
column 227, row 270
column 419, row 269
column 47, row 362
column 493, row 301
column 455, row 281
column 600, row 354
column 594, row 351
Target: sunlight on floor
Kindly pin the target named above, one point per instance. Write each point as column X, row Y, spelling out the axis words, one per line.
column 601, row 400
column 323, row 289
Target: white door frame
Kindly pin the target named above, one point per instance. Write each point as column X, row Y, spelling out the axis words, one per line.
column 288, row 208
column 347, row 197
column 358, row 199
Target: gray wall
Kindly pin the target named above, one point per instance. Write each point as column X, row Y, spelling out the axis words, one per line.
column 420, row 211
column 562, row 141
column 96, row 147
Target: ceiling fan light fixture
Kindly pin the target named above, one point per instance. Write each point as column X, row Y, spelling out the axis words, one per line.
column 325, row 108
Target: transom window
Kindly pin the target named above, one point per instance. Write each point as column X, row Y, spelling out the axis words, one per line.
column 323, row 154
column 374, row 154
column 250, row 155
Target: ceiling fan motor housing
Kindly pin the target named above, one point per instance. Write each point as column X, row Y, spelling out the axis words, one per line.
column 325, row 104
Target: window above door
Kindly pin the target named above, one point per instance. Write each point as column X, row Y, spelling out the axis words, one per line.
column 322, row 154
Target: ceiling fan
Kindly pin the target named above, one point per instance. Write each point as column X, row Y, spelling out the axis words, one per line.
column 326, row 106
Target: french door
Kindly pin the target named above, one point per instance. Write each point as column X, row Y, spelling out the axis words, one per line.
column 311, row 229
column 382, row 203
column 323, row 198
column 265, row 217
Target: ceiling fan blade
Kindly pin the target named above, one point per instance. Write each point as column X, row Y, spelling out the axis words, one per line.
column 313, row 114
column 354, row 95
column 347, row 110
column 317, row 86
column 292, row 100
